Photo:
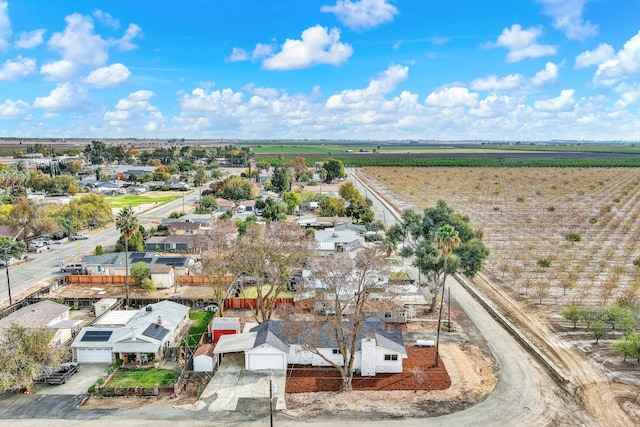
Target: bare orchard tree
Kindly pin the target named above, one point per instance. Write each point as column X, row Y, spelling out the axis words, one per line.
column 347, row 285
column 216, row 262
column 268, row 254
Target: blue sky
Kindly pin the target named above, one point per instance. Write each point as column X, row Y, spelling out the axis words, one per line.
column 334, row 69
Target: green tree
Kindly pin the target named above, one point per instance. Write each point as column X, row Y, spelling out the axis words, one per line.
column 281, row 180
column 572, row 314
column 293, row 200
column 334, row 169
column 446, row 240
column 24, row 354
column 96, row 152
column 629, row 347
column 127, row 223
column 236, row 188
column 140, row 271
column 208, row 204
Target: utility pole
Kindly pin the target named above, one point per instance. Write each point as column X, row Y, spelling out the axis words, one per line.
column 270, row 402
column 6, row 265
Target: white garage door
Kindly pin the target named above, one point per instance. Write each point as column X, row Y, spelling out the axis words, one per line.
column 90, row 355
column 266, row 361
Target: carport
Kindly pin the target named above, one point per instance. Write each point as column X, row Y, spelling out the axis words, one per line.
column 237, row 343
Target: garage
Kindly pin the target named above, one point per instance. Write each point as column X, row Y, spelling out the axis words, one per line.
column 265, row 357
column 93, row 355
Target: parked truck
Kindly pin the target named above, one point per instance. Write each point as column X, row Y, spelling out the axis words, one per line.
column 61, row 374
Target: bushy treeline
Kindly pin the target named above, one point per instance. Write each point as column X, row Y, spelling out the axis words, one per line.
column 612, row 319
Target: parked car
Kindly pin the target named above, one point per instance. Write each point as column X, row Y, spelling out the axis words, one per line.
column 72, row 268
column 212, row 307
column 62, row 374
column 37, row 247
column 79, row 237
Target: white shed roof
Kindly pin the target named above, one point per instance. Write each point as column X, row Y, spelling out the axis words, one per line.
column 235, row 343
column 116, row 318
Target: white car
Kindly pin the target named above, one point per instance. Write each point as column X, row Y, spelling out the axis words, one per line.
column 79, row 237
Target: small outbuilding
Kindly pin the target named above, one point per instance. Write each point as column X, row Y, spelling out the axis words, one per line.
column 225, row 326
column 203, row 360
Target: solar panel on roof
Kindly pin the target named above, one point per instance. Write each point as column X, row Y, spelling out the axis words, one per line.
column 96, row 336
column 155, row 331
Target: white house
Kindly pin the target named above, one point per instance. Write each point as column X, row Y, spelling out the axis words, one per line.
column 139, row 336
column 273, row 345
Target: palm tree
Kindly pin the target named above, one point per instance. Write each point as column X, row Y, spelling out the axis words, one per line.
column 446, row 240
column 127, row 223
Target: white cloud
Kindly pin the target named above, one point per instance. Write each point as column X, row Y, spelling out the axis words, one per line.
column 201, row 99
column 495, row 106
column 567, row 17
column 522, row 43
column 317, row 46
column 624, row 64
column 30, row 40
column 78, row 46
column 379, row 86
column 10, row 109
column 602, row 53
column 562, row 103
column 106, row 19
column 548, row 75
column 629, row 94
column 125, row 42
column 64, row 98
column 136, row 110
column 493, row 82
column 112, row 75
column 362, row 14
column 21, row 67
column 262, row 51
column 59, row 70
column 454, row 96
column 237, row 55
column 5, row 25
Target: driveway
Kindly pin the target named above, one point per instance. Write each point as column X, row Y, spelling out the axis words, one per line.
column 232, row 384
column 77, row 384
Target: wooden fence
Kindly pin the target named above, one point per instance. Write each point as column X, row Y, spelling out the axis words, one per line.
column 243, row 303
column 77, row 279
column 191, row 280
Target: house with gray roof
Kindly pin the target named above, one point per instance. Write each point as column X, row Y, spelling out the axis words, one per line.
column 276, row 344
column 330, row 241
column 43, row 315
column 113, row 264
column 146, row 335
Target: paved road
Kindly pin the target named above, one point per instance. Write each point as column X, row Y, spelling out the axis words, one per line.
column 41, row 269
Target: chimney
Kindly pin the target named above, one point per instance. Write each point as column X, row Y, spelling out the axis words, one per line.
column 159, row 320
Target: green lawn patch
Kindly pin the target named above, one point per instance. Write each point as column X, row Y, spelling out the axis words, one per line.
column 392, row 261
column 201, row 319
column 137, row 200
column 252, row 292
column 144, row 377
column 398, row 275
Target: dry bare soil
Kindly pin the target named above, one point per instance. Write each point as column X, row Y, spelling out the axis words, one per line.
column 527, row 215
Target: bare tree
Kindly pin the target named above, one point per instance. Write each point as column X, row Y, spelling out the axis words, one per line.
column 347, row 285
column 215, row 264
column 269, row 254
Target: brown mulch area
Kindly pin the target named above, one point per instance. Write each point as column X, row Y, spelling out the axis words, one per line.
column 418, row 374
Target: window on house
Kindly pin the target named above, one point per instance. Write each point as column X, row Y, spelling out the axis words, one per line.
column 335, row 351
column 389, row 357
column 387, row 315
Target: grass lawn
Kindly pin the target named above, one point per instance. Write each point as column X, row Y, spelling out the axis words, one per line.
column 137, row 200
column 147, row 377
column 392, row 261
column 201, row 319
column 252, row 292
column 398, row 275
